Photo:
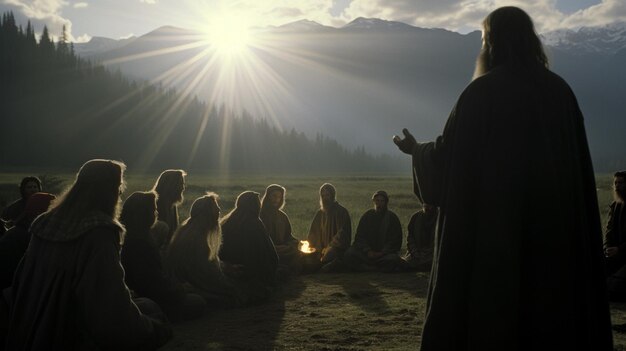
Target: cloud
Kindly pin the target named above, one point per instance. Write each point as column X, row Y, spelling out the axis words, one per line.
column 465, row 15
column 83, row 38
column 41, row 13
column 80, row 5
column 149, row 2
column 608, row 11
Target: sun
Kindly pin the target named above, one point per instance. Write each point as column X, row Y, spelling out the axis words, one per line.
column 229, row 35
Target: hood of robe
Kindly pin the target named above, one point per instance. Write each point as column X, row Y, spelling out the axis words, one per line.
column 53, row 228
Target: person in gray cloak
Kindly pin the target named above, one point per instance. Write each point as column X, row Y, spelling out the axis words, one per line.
column 68, row 292
column 518, row 256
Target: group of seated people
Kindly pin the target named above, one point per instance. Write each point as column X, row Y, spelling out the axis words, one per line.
column 79, row 270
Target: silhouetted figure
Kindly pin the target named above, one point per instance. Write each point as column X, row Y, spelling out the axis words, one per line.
column 278, row 227
column 377, row 240
column 28, row 186
column 192, row 257
column 13, row 245
column 69, row 291
column 615, row 240
column 142, row 261
column 420, row 240
column 331, row 230
column 169, row 188
column 246, row 243
column 518, row 262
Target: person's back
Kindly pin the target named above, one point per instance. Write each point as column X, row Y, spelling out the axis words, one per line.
column 246, row 243
column 518, row 259
column 68, row 292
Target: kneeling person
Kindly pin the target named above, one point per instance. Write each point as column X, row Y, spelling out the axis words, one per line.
column 378, row 239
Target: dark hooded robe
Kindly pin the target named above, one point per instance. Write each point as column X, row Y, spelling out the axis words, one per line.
column 146, row 277
column 518, row 259
column 420, row 240
column 615, row 236
column 69, row 292
column 377, row 232
column 245, row 242
column 188, row 263
column 278, row 227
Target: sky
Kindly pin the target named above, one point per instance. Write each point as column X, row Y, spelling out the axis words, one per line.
column 123, row 18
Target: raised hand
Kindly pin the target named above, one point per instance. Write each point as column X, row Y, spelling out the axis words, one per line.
column 407, row 144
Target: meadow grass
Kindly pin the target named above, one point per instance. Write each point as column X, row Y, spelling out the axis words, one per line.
column 353, row 192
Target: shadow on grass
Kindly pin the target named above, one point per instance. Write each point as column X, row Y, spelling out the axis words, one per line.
column 245, row 328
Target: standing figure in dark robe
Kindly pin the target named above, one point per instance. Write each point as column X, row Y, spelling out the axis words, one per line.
column 331, row 230
column 192, row 257
column 68, row 292
column 377, row 240
column 278, row 227
column 420, row 240
column 169, row 188
column 615, row 240
column 518, row 256
column 28, row 186
column 142, row 261
column 246, row 243
column 13, row 245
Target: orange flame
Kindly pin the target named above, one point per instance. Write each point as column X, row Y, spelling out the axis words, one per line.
column 305, row 247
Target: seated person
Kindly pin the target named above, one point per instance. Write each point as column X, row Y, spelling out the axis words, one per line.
column 142, row 261
column 13, row 245
column 192, row 257
column 615, row 240
column 331, row 230
column 247, row 244
column 378, row 239
column 68, row 292
column 278, row 227
column 28, row 186
column 421, row 239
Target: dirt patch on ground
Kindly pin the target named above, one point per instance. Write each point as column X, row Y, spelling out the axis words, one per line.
column 328, row 312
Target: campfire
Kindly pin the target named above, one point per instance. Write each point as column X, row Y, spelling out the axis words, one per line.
column 304, row 247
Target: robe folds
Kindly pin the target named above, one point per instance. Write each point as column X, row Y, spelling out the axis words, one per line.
column 245, row 242
column 331, row 228
column 518, row 258
column 69, row 293
column 278, row 227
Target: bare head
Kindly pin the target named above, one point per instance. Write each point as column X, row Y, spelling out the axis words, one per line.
column 509, row 37
column 29, row 186
column 170, row 186
column 139, row 212
column 206, row 209
column 97, row 187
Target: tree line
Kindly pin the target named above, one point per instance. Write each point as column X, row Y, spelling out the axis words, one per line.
column 58, row 110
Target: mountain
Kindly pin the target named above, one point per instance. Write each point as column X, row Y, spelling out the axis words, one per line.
column 100, row 44
column 604, row 40
column 364, row 82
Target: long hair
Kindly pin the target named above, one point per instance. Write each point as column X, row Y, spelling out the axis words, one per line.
column 509, row 37
column 97, row 187
column 27, row 180
column 248, row 205
column 265, row 201
column 169, row 187
column 203, row 224
column 139, row 212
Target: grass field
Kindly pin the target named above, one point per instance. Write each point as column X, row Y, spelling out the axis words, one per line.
column 353, row 192
column 332, row 312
